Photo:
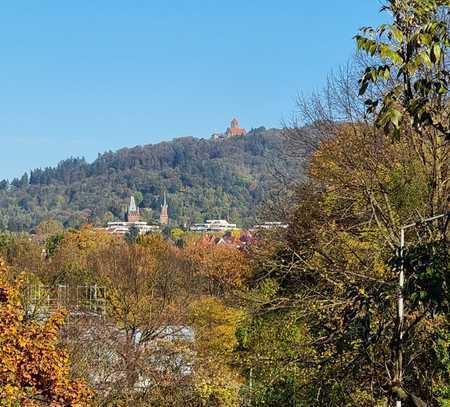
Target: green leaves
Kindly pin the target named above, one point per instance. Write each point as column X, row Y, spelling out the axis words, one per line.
column 425, row 59
column 371, row 75
column 390, row 119
column 366, row 44
column 397, row 34
column 412, row 49
column 429, row 278
column 436, row 53
column 387, row 53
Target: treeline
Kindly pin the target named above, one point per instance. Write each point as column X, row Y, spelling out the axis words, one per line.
column 203, row 179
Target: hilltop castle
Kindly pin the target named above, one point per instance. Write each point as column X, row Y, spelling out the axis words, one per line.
column 232, row 131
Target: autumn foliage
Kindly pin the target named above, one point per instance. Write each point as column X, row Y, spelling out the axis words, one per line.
column 34, row 369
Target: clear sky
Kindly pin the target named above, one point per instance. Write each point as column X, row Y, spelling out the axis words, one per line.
column 82, row 77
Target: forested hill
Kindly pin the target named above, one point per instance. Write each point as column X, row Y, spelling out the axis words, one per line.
column 203, row 179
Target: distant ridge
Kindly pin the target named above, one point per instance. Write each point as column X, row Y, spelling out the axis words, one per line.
column 227, row 178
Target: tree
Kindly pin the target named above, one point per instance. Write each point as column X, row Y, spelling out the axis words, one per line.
column 412, row 57
column 332, row 275
column 34, row 369
column 176, row 234
column 49, row 227
column 412, row 69
column 332, row 269
column 136, row 345
column 216, row 379
column 222, row 268
column 132, row 234
column 412, row 62
column 68, row 255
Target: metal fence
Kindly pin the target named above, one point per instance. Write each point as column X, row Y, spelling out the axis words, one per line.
column 40, row 300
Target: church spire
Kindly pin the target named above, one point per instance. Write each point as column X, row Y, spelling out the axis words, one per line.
column 164, row 216
column 132, row 206
column 133, row 211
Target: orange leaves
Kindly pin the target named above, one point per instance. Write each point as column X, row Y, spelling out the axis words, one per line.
column 34, row 369
column 224, row 265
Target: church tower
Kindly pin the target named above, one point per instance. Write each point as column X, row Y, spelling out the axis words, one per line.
column 133, row 211
column 164, row 217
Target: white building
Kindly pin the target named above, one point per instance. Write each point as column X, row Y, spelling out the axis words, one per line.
column 121, row 228
column 270, row 225
column 213, row 225
column 132, row 219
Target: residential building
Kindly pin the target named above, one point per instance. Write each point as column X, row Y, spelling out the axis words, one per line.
column 270, row 225
column 213, row 225
column 121, row 228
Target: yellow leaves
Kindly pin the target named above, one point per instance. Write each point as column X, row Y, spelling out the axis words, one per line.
column 32, row 365
column 215, row 326
column 154, row 242
column 367, row 187
column 23, row 342
column 380, row 269
column 215, row 323
column 218, row 395
column 2, row 266
column 225, row 265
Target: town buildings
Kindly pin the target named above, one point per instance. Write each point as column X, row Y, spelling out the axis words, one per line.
column 132, row 219
column 239, row 241
column 213, row 225
column 270, row 226
column 122, row 228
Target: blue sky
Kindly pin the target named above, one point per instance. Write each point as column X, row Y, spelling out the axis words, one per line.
column 82, row 77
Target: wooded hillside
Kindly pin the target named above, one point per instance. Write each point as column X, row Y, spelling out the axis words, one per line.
column 203, row 178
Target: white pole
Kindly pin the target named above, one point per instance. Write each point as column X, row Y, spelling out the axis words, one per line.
column 251, row 385
column 401, row 284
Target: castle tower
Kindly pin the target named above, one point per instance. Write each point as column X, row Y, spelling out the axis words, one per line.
column 164, row 217
column 234, row 129
column 133, row 211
